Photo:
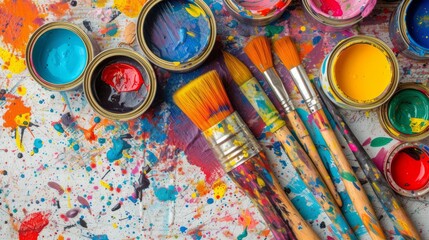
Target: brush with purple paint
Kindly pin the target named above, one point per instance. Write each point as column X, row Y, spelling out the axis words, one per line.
column 381, row 188
column 206, row 103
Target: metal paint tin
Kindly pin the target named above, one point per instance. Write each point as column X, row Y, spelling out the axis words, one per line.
column 419, row 129
column 330, row 23
column 400, row 34
column 416, row 168
column 107, row 101
column 329, row 81
column 34, row 57
column 195, row 8
column 256, row 15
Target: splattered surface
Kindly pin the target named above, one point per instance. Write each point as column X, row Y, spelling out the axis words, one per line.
column 67, row 173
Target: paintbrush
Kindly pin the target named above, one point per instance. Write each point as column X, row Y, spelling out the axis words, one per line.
column 288, row 54
column 250, row 87
column 205, row 102
column 259, row 52
column 384, row 193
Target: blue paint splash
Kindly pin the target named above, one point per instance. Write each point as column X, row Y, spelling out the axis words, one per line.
column 115, row 153
column 166, row 194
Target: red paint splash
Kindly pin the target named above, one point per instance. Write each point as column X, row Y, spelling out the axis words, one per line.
column 410, row 168
column 15, row 108
column 331, row 7
column 59, row 9
column 32, row 225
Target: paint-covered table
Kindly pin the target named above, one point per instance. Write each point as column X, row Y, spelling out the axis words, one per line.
column 154, row 177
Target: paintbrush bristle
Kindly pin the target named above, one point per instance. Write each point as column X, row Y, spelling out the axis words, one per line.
column 259, row 52
column 286, row 50
column 204, row 100
column 239, row 72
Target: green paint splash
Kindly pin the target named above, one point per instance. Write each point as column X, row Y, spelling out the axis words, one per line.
column 271, row 30
column 242, row 235
column 348, row 176
column 380, row 141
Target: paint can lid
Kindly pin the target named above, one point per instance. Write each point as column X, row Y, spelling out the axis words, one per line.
column 185, row 40
column 120, row 84
column 406, row 168
column 406, row 115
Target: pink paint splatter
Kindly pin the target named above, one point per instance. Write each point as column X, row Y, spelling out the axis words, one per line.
column 366, row 142
column 57, row 187
column 353, row 147
column 379, row 158
column 331, row 7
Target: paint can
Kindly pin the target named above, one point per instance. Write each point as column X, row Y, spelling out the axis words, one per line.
column 57, row 55
column 255, row 12
column 336, row 15
column 409, row 29
column 360, row 73
column 177, row 35
column 406, row 168
column 120, row 84
column 406, row 115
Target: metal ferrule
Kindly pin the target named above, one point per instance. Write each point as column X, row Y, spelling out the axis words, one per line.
column 232, row 141
column 303, row 83
column 279, row 89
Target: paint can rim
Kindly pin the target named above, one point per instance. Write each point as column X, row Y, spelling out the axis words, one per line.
column 388, row 126
column 174, row 66
column 387, row 93
column 58, row 25
column 387, row 166
column 119, row 52
column 333, row 23
column 248, row 17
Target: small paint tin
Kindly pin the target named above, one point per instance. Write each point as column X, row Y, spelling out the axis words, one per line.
column 177, row 35
column 409, row 29
column 336, row 15
column 255, row 12
column 57, row 55
column 406, row 168
column 406, row 115
column 111, row 84
column 360, row 73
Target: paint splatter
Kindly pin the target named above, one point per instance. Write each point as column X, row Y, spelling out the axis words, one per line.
column 166, row 194
column 379, row 158
column 111, row 29
column 219, row 188
column 32, row 225
column 272, row 30
column 247, row 220
column 131, row 8
column 242, row 235
column 13, row 63
column 380, row 141
column 119, row 145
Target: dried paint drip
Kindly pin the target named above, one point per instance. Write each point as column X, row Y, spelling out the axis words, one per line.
column 345, row 9
column 417, row 21
column 122, row 77
column 178, row 31
column 408, row 111
column 410, row 168
column 120, row 84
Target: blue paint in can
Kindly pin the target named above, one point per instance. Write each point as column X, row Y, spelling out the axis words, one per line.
column 59, row 56
column 417, row 22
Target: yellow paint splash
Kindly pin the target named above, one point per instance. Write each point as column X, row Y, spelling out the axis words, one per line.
column 115, row 225
column 418, row 125
column 190, row 34
column 100, row 3
column 219, row 188
column 21, row 90
column 195, row 11
column 131, row 8
column 11, row 62
column 105, row 184
column 261, row 183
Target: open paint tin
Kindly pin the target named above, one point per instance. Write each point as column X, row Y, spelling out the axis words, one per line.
column 409, row 29
column 406, row 168
column 406, row 115
column 337, row 15
column 57, row 55
column 120, row 84
column 360, row 73
column 256, row 12
column 176, row 35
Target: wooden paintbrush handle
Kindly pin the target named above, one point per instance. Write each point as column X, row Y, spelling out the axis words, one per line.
column 353, row 187
column 313, row 181
column 256, row 178
column 309, row 147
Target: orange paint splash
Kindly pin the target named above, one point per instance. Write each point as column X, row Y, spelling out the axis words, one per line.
column 89, row 133
column 202, row 188
column 59, row 9
column 18, row 20
column 246, row 220
column 305, row 49
column 17, row 114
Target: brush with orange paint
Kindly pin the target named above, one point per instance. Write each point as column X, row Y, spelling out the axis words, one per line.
column 205, row 102
column 288, row 54
column 250, row 87
column 259, row 52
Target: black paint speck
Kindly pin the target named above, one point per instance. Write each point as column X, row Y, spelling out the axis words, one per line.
column 87, row 25
column 73, row 3
column 4, row 172
column 19, row 155
column 82, row 223
column 287, row 190
column 322, row 225
column 116, row 207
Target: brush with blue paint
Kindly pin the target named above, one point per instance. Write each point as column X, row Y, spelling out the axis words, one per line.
column 250, row 87
column 205, row 102
column 384, row 193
